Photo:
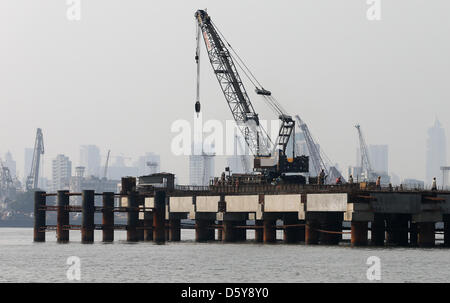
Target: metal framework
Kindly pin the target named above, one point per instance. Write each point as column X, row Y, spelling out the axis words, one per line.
column 365, row 160
column 33, row 178
column 314, row 152
column 232, row 87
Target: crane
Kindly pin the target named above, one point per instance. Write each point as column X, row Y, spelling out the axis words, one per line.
column 270, row 158
column 314, row 152
column 365, row 160
column 33, row 177
column 105, row 173
column 245, row 165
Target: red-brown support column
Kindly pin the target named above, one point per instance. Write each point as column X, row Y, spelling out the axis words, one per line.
column 174, row 230
column 159, row 233
column 229, row 231
column 426, row 236
column 377, row 231
column 413, row 233
column 301, row 231
column 359, row 233
column 62, row 220
column 220, row 231
column 39, row 216
column 290, row 233
column 108, row 217
column 311, row 232
column 133, row 217
column 447, row 230
column 148, row 223
column 270, row 231
column 87, row 216
column 259, row 231
column 201, row 230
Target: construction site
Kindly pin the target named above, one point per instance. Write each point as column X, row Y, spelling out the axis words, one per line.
column 306, row 196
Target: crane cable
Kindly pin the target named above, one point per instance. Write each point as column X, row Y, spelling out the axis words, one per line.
column 270, row 100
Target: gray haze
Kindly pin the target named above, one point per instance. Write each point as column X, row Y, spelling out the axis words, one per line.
column 119, row 77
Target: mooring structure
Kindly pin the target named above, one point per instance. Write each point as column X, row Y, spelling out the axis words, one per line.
column 310, row 214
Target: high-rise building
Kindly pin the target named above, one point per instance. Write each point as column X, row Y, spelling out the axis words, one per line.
column 436, row 152
column 201, row 168
column 379, row 158
column 61, row 172
column 90, row 159
column 10, row 163
column 148, row 164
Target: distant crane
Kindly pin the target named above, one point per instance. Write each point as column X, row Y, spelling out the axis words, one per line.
column 314, row 152
column 105, row 173
column 33, row 177
column 365, row 160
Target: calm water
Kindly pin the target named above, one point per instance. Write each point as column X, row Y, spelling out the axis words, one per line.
column 187, row 261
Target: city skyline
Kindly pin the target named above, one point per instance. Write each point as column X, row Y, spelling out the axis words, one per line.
column 332, row 81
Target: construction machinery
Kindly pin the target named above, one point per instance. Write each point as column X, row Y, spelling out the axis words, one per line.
column 366, row 167
column 33, row 177
column 105, row 172
column 270, row 158
column 318, row 158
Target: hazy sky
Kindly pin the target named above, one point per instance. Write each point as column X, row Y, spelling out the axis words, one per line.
column 119, row 77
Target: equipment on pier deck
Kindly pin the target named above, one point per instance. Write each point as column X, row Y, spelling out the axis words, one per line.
column 270, row 158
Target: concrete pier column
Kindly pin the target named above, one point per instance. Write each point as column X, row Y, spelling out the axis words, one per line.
column 359, row 233
column 133, row 218
column 211, row 230
column 219, row 231
column 62, row 219
column 39, row 216
column 229, row 231
column 259, row 232
column 413, row 233
column 241, row 233
column 311, row 233
column 201, row 230
column 87, row 216
column 332, row 223
column 426, row 234
column 270, row 231
column 175, row 230
column 301, row 231
column 290, row 233
column 159, row 212
column 377, row 232
column 397, row 230
column 108, row 217
column 446, row 230
column 148, row 223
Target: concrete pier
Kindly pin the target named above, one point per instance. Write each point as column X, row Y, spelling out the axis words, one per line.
column 413, row 234
column 446, row 219
column 133, row 218
column 39, row 216
column 259, row 232
column 108, row 217
column 62, row 219
column 397, row 230
column 228, row 233
column 87, row 213
column 174, row 230
column 201, row 230
column 311, row 232
column 359, row 233
column 377, row 231
column 270, row 232
column 148, row 226
column 426, row 234
column 159, row 232
column 331, row 227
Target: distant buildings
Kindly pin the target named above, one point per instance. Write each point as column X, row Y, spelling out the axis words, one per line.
column 436, row 155
column 90, row 159
column 201, row 168
column 413, row 184
column 61, row 172
column 379, row 157
column 148, row 164
column 10, row 164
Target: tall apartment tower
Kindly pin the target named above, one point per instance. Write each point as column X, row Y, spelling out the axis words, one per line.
column 90, row 159
column 201, row 167
column 61, row 172
column 436, row 152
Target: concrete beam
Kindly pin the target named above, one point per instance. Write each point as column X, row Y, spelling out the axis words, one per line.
column 397, row 203
column 326, row 202
column 236, row 204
